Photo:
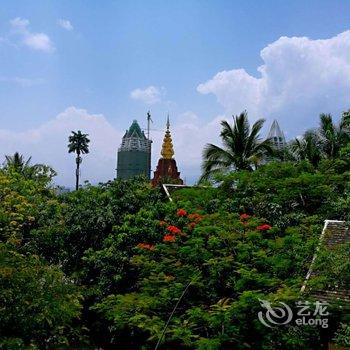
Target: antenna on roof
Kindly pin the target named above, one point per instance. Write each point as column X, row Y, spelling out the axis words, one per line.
column 149, row 120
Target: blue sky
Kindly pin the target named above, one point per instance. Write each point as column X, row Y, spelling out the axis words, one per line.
column 100, row 64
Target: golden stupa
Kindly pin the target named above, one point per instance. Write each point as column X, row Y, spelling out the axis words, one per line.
column 166, row 171
column 167, row 151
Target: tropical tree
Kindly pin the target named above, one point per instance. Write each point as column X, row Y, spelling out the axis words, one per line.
column 79, row 144
column 307, row 147
column 346, row 118
column 243, row 149
column 20, row 165
column 333, row 137
column 17, row 162
column 38, row 302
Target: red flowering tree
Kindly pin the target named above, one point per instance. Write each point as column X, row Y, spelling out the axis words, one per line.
column 181, row 212
column 169, row 238
column 244, row 217
column 173, row 229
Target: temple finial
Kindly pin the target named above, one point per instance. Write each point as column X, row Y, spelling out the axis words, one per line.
column 167, row 147
column 168, row 122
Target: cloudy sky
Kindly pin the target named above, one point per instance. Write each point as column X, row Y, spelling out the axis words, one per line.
column 97, row 65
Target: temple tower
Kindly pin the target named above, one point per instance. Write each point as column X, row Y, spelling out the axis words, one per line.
column 276, row 135
column 134, row 154
column 166, row 171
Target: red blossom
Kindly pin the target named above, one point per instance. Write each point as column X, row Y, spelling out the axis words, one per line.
column 146, row 246
column 181, row 212
column 244, row 217
column 264, row 227
column 169, row 238
column 173, row 229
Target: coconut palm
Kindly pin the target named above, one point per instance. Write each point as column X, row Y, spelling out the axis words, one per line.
column 17, row 162
column 242, row 148
column 79, row 144
column 346, row 118
column 307, row 147
column 333, row 137
column 24, row 167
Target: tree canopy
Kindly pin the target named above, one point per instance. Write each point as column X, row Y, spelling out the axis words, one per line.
column 117, row 265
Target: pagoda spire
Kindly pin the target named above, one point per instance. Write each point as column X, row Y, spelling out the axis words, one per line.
column 167, row 122
column 166, row 171
column 167, row 147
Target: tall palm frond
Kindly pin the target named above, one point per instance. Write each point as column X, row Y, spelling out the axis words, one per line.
column 307, row 148
column 24, row 167
column 17, row 162
column 333, row 137
column 242, row 148
column 79, row 144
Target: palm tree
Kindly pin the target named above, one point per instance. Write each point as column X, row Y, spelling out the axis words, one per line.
column 79, row 144
column 346, row 118
column 17, row 162
column 24, row 167
column 333, row 137
column 307, row 147
column 243, row 149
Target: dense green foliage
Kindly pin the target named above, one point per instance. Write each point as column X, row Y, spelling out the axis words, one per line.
column 229, row 264
column 38, row 301
column 105, row 266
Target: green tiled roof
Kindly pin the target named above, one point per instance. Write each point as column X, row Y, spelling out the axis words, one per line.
column 135, row 131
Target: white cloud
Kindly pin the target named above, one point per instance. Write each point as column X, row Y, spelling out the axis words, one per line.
column 149, row 95
column 23, row 82
column 65, row 24
column 299, row 79
column 48, row 144
column 35, row 41
column 187, row 118
column 19, row 23
column 38, row 41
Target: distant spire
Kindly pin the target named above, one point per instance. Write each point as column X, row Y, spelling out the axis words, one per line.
column 276, row 135
column 167, row 147
column 167, row 122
